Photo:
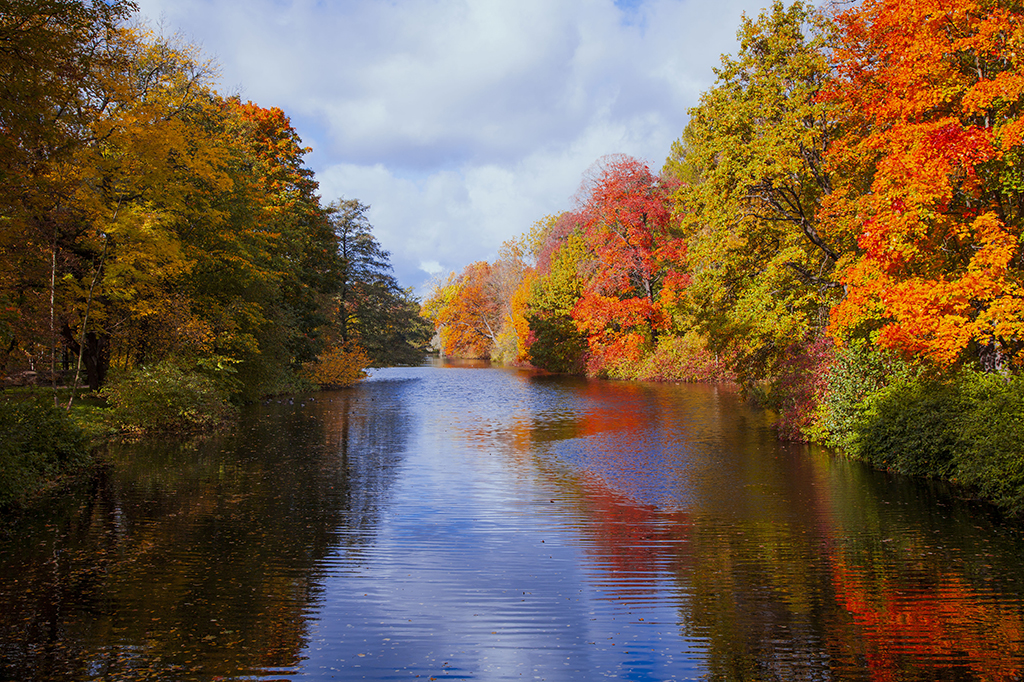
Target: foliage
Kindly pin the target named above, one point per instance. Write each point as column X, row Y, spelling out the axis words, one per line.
column 38, row 442
column 556, row 345
column 931, row 186
column 802, row 378
column 990, row 438
column 165, row 397
column 554, row 342
column 370, row 308
column 466, row 312
column 685, row 358
column 634, row 278
column 852, row 374
column 909, row 427
column 752, row 171
column 967, row 428
column 146, row 219
column 338, row 367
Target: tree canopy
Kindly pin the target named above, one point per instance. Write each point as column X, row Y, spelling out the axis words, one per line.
column 146, row 218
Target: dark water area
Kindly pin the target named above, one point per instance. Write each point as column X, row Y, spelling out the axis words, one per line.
column 457, row 523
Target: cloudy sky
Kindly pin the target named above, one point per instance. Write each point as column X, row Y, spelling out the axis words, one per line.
column 463, row 122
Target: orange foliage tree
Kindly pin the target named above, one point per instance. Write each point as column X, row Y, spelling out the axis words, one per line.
column 340, row 366
column 466, row 312
column 931, row 181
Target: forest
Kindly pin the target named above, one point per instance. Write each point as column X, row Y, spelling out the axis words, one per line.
column 838, row 230
column 163, row 248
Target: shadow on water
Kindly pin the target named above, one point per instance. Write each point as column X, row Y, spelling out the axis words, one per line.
column 199, row 559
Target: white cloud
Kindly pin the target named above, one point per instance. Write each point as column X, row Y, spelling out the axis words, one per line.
column 462, row 122
column 431, row 267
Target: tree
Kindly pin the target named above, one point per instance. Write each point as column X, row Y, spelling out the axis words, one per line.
column 371, row 308
column 634, row 279
column 554, row 342
column 934, row 95
column 467, row 312
column 53, row 55
column 753, row 173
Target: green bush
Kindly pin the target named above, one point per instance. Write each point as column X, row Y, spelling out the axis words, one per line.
column 968, row 428
column 165, row 397
column 990, row 454
column 556, row 345
column 910, row 427
column 854, row 374
column 37, row 443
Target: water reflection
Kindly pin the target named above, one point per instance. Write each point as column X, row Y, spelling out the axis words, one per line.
column 788, row 564
column 474, row 523
column 200, row 560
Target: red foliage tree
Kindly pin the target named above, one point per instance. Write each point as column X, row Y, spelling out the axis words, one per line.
column 626, row 217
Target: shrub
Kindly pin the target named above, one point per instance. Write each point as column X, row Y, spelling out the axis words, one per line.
column 910, row 427
column 802, row 377
column 341, row 366
column 990, row 452
column 853, row 374
column 683, row 358
column 37, row 442
column 556, row 345
column 165, row 397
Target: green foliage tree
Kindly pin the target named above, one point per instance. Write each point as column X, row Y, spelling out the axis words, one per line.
column 555, row 343
column 753, row 171
column 370, row 306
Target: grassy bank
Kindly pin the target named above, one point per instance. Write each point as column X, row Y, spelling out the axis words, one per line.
column 41, row 443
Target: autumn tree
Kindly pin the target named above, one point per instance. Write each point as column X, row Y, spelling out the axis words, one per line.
column 753, row 172
column 482, row 311
column 554, row 342
column 147, row 145
column 635, row 277
column 511, row 274
column 466, row 312
column 53, row 56
column 933, row 93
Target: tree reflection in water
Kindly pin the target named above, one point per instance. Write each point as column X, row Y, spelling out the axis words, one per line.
column 496, row 524
column 200, row 559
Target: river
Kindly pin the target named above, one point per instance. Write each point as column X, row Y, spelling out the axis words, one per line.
column 458, row 522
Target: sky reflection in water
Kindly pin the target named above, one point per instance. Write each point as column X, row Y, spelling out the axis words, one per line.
column 494, row 524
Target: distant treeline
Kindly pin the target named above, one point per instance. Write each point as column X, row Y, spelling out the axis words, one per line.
column 838, row 229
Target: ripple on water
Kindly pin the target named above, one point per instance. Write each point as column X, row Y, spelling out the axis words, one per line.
column 494, row 524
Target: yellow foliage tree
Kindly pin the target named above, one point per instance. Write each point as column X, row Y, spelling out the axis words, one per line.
column 341, row 366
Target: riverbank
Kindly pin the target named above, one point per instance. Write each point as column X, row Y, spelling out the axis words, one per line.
column 39, row 445
column 967, row 429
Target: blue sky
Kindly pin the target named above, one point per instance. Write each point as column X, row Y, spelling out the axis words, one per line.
column 463, row 122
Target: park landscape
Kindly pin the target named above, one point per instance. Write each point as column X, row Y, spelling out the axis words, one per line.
column 832, row 247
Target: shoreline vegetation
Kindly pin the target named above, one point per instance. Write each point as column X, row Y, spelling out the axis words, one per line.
column 163, row 247
column 838, row 231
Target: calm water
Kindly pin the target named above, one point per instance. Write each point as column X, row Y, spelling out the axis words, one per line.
column 457, row 523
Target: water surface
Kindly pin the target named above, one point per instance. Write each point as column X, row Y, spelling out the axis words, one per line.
column 475, row 523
